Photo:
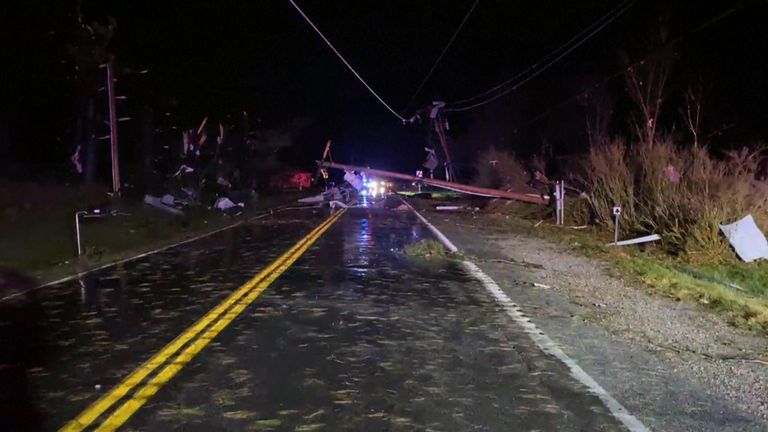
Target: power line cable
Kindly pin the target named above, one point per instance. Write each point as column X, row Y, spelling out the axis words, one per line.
column 440, row 57
column 546, row 66
column 553, row 53
column 620, row 72
column 351, row 69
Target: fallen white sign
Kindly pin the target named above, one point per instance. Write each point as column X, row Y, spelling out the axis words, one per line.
column 747, row 239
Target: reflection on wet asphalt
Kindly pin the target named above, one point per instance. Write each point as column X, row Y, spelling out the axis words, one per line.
column 100, row 328
column 354, row 336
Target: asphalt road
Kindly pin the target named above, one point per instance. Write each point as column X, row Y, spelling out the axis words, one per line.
column 353, row 335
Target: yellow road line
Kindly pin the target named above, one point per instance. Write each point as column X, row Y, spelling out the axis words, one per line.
column 122, row 414
column 276, row 268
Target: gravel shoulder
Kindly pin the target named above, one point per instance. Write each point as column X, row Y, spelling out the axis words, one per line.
column 674, row 365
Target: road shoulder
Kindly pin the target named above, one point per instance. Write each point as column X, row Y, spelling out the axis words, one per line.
column 676, row 366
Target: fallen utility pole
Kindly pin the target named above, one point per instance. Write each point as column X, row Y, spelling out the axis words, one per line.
column 457, row 187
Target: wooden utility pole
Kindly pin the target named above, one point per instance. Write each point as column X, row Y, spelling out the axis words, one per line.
column 114, row 146
column 438, row 123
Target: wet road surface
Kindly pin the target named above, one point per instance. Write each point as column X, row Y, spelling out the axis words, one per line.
column 353, row 336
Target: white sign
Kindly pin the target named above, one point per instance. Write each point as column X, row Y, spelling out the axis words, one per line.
column 419, row 173
column 617, row 211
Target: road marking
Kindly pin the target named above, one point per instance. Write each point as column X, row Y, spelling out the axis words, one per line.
column 240, row 298
column 538, row 337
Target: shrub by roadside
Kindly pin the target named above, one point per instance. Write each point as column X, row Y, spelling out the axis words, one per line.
column 682, row 194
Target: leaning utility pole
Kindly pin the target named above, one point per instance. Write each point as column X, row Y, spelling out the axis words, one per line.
column 114, row 147
column 440, row 129
column 438, row 122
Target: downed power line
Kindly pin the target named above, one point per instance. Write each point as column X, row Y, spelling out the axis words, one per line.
column 456, row 187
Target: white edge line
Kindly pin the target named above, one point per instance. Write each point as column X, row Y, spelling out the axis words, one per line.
column 151, row 252
column 541, row 340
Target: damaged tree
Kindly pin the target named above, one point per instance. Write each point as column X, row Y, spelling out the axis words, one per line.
column 88, row 52
column 646, row 83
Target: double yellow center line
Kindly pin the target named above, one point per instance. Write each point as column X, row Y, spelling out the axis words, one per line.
column 200, row 334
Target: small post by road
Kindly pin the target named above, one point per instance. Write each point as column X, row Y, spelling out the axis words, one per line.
column 77, row 231
column 93, row 214
column 420, row 175
column 86, row 214
column 559, row 202
column 616, row 214
column 562, row 202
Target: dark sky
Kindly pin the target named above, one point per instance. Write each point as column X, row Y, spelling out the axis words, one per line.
column 217, row 58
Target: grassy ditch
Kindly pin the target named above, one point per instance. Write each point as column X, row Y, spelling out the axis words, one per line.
column 37, row 228
column 425, row 249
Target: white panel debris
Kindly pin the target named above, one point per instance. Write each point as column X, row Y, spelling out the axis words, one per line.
column 747, row 239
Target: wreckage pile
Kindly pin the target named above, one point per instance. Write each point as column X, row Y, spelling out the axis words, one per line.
column 221, row 174
column 189, row 185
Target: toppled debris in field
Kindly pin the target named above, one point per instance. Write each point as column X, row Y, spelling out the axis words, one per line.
column 343, row 193
column 162, row 204
column 228, row 207
column 425, row 249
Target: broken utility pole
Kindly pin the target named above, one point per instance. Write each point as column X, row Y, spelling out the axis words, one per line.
column 439, row 123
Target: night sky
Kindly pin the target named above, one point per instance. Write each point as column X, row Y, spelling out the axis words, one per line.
column 218, row 58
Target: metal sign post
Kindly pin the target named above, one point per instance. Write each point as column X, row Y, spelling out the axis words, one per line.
column 562, row 202
column 616, row 214
column 85, row 214
column 559, row 203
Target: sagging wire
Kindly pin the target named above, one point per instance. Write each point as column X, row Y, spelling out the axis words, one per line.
column 610, row 18
column 440, row 57
column 346, row 63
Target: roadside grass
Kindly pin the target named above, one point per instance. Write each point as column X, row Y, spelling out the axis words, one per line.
column 425, row 249
column 743, row 309
column 37, row 233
